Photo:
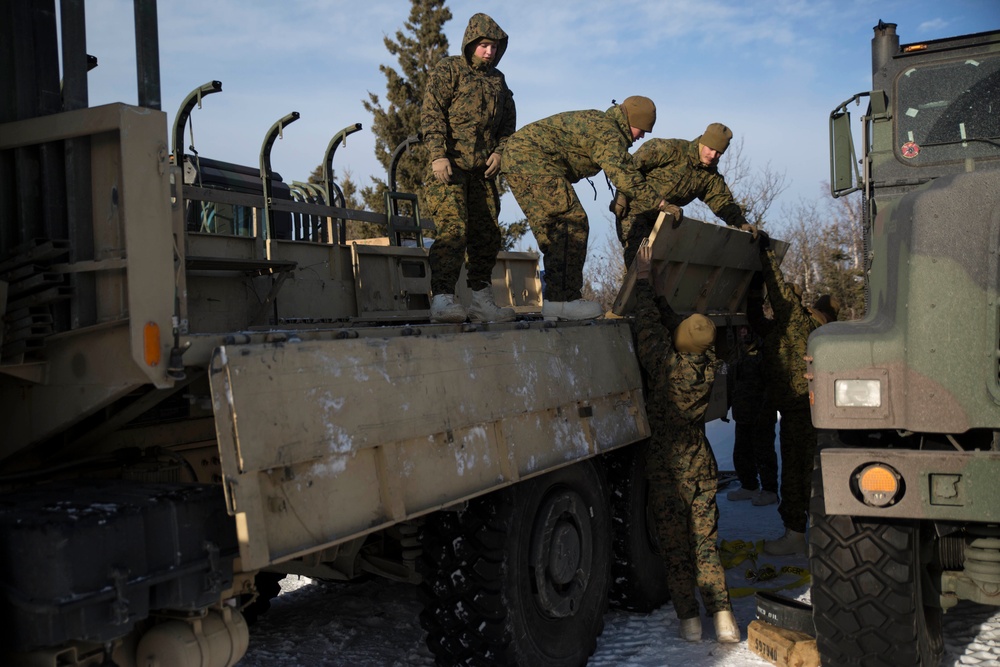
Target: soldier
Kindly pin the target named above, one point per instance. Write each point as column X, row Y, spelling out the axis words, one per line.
column 542, row 161
column 679, row 358
column 467, row 117
column 755, row 417
column 680, row 171
column 784, row 348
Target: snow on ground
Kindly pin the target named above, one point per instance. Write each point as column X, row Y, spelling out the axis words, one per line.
column 375, row 623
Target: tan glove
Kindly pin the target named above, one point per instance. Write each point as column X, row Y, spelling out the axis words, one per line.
column 442, row 169
column 619, row 206
column 492, row 165
column 747, row 227
column 674, row 211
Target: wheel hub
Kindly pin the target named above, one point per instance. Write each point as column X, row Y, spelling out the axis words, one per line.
column 561, row 553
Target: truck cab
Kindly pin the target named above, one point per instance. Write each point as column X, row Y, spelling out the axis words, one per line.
column 907, row 399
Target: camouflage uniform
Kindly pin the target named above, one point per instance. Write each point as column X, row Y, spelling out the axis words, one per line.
column 468, row 113
column 755, row 417
column 784, row 350
column 674, row 169
column 681, row 468
column 542, row 161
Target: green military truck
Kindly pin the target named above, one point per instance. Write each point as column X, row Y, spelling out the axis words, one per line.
column 906, row 505
column 205, row 386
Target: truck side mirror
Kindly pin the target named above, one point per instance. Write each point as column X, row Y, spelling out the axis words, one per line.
column 842, row 162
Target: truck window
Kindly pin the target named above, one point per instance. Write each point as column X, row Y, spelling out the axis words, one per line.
column 949, row 111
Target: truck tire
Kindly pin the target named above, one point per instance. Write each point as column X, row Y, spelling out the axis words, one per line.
column 520, row 576
column 638, row 571
column 868, row 579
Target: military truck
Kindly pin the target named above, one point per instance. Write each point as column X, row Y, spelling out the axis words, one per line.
column 205, row 386
column 905, row 515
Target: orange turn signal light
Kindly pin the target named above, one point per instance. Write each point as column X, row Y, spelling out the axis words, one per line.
column 151, row 343
column 879, row 484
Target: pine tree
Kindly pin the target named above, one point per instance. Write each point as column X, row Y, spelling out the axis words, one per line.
column 417, row 50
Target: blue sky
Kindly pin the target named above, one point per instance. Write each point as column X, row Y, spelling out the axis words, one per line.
column 771, row 70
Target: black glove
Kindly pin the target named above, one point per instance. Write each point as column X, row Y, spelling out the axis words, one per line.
column 763, row 241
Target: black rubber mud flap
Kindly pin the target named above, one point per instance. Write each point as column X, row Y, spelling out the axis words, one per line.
column 520, row 576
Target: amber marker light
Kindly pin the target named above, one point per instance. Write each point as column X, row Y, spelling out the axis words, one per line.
column 151, row 343
column 879, row 484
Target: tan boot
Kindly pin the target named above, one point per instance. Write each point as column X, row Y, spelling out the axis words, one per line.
column 726, row 629
column 580, row 309
column 484, row 309
column 792, row 542
column 446, row 308
column 690, row 629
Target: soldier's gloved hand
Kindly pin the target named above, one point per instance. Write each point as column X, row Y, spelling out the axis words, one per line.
column 747, row 227
column 492, row 165
column 675, row 212
column 442, row 169
column 763, row 241
column 619, row 206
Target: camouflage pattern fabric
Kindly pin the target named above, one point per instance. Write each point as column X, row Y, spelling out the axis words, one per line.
column 541, row 162
column 465, row 212
column 784, row 338
column 783, row 347
column 674, row 170
column 798, row 446
column 559, row 224
column 468, row 113
column 680, row 465
column 754, row 416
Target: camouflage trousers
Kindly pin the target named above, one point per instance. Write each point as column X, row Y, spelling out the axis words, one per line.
column 798, row 446
column 633, row 229
column 686, row 523
column 560, row 226
column 753, row 452
column 465, row 214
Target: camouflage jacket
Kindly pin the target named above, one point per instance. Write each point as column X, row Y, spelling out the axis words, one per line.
column 680, row 384
column 577, row 145
column 673, row 168
column 468, row 112
column 784, row 338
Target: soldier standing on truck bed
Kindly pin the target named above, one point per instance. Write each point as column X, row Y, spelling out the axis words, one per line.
column 466, row 119
column 679, row 358
column 544, row 159
column 681, row 171
column 784, row 348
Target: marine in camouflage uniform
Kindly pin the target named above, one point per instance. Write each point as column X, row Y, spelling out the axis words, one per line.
column 467, row 116
column 784, row 340
column 675, row 170
column 541, row 163
column 753, row 450
column 680, row 465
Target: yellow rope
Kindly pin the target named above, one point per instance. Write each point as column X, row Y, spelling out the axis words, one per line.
column 735, row 552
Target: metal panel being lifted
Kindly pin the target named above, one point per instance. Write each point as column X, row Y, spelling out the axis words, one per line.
column 700, row 267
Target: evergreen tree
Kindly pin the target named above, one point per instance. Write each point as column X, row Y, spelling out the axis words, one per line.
column 417, row 50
